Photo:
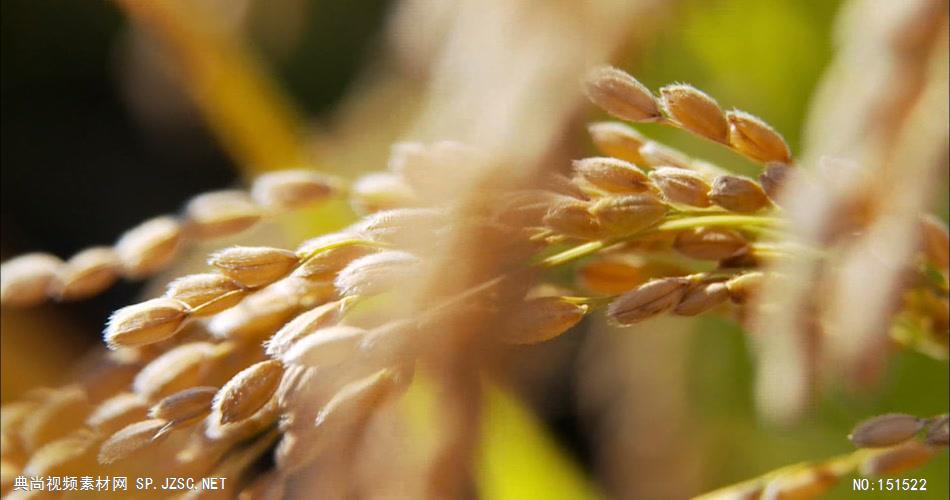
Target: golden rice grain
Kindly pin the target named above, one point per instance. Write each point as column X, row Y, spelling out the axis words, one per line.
column 184, row 406
column 542, row 319
column 885, row 430
column 573, row 218
column 211, row 292
column 247, row 391
column 305, row 324
column 87, row 273
column 117, row 412
column 263, row 312
column 738, row 194
column 291, row 189
column 648, row 300
column 754, row 138
column 621, row 95
column 617, row 140
column 376, row 273
column 679, row 185
column 628, row 214
column 325, row 256
column 176, row 370
column 695, row 111
column 612, row 175
column 325, row 347
column 24, row 280
column 254, row 266
column 149, row 246
column 131, row 439
column 655, row 155
column 220, row 213
column 145, row 323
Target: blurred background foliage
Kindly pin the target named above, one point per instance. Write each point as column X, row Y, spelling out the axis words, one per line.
column 80, row 165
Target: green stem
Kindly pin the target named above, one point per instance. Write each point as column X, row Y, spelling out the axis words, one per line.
column 736, row 221
column 574, row 253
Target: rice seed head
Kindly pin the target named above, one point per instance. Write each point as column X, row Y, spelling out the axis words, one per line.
column 938, row 432
column 695, row 111
column 700, row 298
column 117, row 412
column 321, row 261
column 247, row 392
column 648, row 300
column 609, row 276
column 376, row 273
column 754, row 138
column 145, row 323
column 885, row 430
column 612, row 175
column 738, row 194
column 176, row 370
column 87, row 273
column 542, row 319
column 291, row 189
column 573, row 218
column 305, row 324
column 149, row 246
column 254, row 266
column 381, row 191
column 130, row 439
column 184, row 406
column 221, row 213
column 617, row 140
column 773, row 178
column 627, row 214
column 744, row 287
column 621, row 95
column 936, row 241
column 709, row 243
column 211, row 292
column 24, row 280
column 325, row 347
column 682, row 186
column 900, row 458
